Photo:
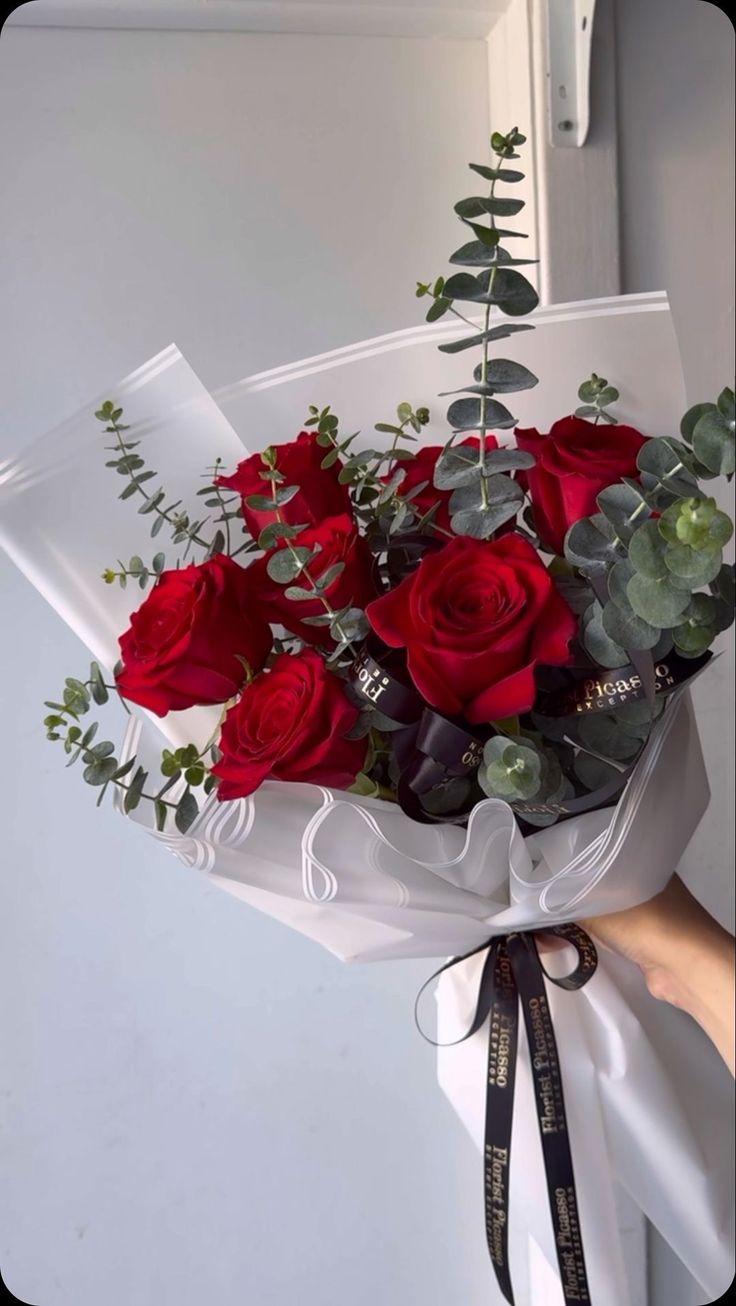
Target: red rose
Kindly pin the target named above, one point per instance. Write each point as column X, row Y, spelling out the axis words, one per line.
column 180, row 650
column 476, row 617
column 289, row 724
column 300, row 463
column 339, row 544
column 421, row 468
column 574, row 463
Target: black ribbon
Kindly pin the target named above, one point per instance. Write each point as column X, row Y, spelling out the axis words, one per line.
column 513, row 973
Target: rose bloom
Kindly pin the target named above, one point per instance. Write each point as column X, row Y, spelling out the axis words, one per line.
column 476, row 618
column 339, row 542
column 289, row 724
column 320, row 492
column 421, row 468
column 574, row 463
column 180, row 650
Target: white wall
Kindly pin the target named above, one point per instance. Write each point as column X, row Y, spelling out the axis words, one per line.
column 200, row 1106
column 676, row 180
column 676, row 174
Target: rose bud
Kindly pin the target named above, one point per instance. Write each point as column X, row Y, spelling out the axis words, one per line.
column 476, row 618
column 289, row 724
column 185, row 640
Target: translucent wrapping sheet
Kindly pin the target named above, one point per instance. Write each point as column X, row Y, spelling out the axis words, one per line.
column 368, row 883
column 61, row 520
column 629, row 339
column 357, row 875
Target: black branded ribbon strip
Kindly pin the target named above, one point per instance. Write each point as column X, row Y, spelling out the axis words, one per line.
column 604, row 691
column 513, row 974
column 432, row 749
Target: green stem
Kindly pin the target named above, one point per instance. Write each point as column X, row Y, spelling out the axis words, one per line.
column 484, row 367
column 162, row 512
column 223, row 506
column 304, row 571
column 374, row 482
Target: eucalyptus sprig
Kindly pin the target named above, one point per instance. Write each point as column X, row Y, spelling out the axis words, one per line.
column 484, row 496
column 129, row 463
column 655, row 545
column 378, row 504
column 228, row 506
column 291, row 562
column 103, row 769
column 597, row 396
column 517, row 768
column 135, row 570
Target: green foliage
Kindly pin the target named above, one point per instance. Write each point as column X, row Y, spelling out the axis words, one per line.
column 129, row 463
column 101, row 767
column 492, row 281
column 710, row 429
column 658, row 542
column 518, row 769
column 597, row 396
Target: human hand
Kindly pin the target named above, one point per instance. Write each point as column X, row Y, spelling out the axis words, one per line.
column 687, row 958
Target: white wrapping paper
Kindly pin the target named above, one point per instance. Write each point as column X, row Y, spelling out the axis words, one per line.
column 362, row 879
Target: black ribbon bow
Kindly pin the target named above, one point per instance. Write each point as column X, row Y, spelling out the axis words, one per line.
column 513, row 972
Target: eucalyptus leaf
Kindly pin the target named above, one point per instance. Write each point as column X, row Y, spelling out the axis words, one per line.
column 505, row 377
column 625, row 507
column 76, row 696
column 438, row 309
column 513, row 294
column 477, row 205
column 618, row 578
column 647, row 551
column 506, row 460
column 692, row 417
column 598, row 643
column 134, row 791
column 467, row 415
column 662, row 461
column 467, row 288
column 286, row 564
column 494, row 333
column 692, row 638
column 481, row 523
column 592, row 544
column 187, row 810
column 101, row 771
column 456, row 466
column 499, row 489
column 98, row 688
column 483, row 253
column 656, row 600
column 724, row 584
column 354, row 624
column 694, row 565
column 627, row 629
column 714, row 444
column 496, row 174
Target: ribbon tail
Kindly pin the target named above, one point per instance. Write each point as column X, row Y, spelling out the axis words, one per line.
column 550, row 1103
column 500, row 1083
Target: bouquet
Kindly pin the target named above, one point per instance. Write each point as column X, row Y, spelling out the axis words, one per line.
column 426, row 626
column 466, row 660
